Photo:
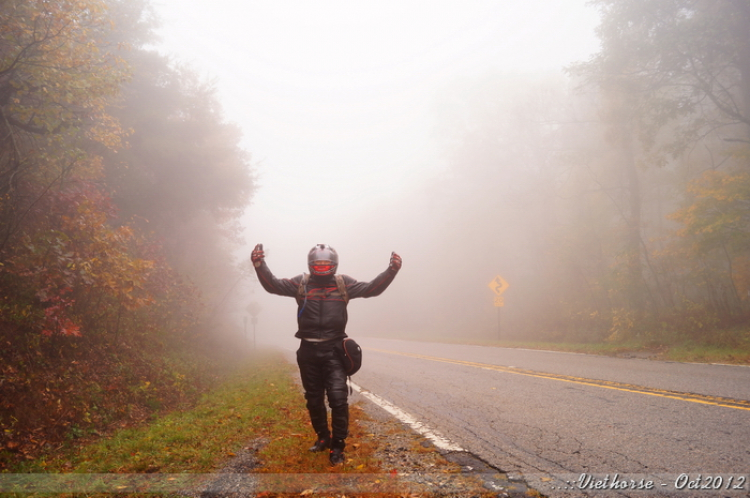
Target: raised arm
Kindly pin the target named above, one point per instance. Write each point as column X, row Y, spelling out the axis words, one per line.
column 281, row 286
column 378, row 284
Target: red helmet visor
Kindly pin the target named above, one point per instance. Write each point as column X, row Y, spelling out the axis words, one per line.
column 321, row 267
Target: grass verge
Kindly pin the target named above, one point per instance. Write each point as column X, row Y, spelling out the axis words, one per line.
column 260, row 405
column 684, row 352
column 254, row 402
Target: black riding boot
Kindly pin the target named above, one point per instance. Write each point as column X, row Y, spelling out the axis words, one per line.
column 337, row 451
column 323, row 442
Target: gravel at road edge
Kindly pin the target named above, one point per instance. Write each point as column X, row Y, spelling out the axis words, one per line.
column 413, row 466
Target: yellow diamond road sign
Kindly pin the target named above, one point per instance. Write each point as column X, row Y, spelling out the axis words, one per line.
column 498, row 285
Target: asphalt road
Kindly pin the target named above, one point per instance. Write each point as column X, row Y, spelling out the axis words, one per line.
column 574, row 424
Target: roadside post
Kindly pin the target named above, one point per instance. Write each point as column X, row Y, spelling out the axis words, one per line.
column 253, row 308
column 498, row 285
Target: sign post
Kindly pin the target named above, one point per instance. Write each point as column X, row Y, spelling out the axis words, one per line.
column 253, row 309
column 244, row 320
column 498, row 286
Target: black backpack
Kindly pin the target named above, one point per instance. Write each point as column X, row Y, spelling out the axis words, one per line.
column 302, row 291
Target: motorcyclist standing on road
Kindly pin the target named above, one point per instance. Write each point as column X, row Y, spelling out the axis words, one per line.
column 321, row 320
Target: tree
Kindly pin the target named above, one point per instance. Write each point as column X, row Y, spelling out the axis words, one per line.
column 687, row 60
column 715, row 236
column 95, row 321
column 500, row 206
column 80, row 269
column 57, row 76
column 183, row 177
column 681, row 69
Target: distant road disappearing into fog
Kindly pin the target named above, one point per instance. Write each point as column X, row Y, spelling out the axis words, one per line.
column 552, row 416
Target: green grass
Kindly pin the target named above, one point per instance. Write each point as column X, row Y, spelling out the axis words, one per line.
column 686, row 351
column 589, row 348
column 709, row 354
column 261, row 401
column 254, row 402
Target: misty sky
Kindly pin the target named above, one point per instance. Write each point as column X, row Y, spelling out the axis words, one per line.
column 337, row 100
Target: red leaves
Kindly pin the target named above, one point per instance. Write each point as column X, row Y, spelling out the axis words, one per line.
column 78, row 266
column 57, row 322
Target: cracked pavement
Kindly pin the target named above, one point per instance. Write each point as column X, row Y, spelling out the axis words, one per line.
column 552, row 430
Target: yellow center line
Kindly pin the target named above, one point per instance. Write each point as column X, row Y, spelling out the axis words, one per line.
column 738, row 404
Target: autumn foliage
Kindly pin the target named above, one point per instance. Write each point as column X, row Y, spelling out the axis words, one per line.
column 96, row 325
column 615, row 199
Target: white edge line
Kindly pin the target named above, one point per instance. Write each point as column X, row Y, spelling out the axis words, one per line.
column 438, row 440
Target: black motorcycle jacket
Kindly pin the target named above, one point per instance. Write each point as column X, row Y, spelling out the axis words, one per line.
column 321, row 310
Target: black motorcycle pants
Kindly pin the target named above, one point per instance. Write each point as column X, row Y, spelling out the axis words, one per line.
column 322, row 371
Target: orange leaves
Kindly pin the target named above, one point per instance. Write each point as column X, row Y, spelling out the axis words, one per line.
column 68, row 266
column 57, row 321
column 57, row 61
column 719, row 212
column 78, row 265
column 102, row 255
column 711, row 251
column 60, row 73
column 721, row 186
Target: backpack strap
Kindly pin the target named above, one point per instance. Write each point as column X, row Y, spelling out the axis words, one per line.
column 342, row 288
column 302, row 292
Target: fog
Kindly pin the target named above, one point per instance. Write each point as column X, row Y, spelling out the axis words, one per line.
column 355, row 115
